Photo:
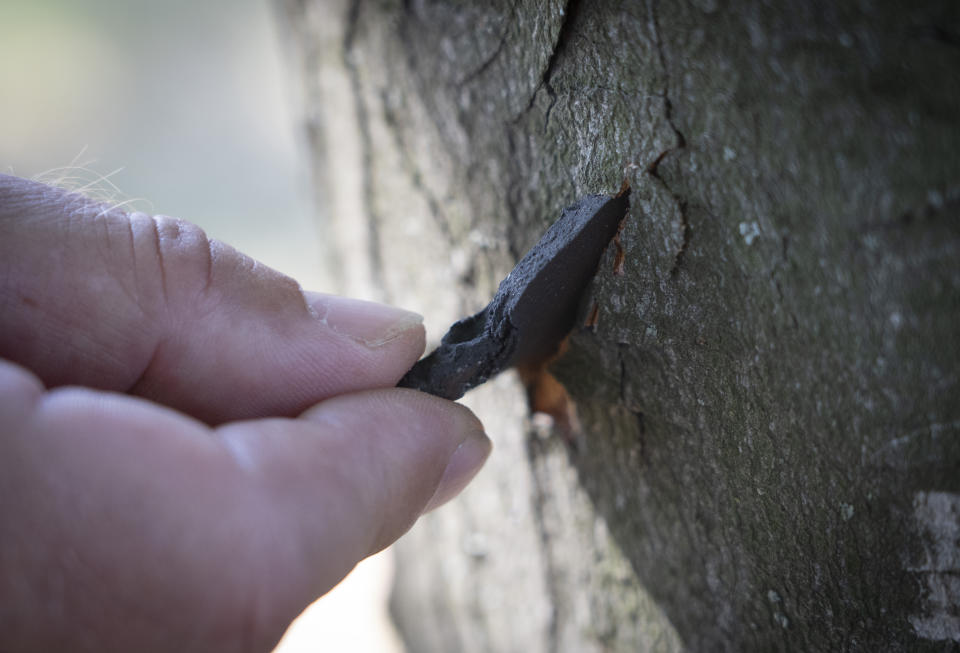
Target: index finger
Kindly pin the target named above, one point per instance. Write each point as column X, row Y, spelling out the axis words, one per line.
column 128, row 302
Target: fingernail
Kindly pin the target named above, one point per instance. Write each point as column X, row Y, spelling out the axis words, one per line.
column 464, row 464
column 368, row 323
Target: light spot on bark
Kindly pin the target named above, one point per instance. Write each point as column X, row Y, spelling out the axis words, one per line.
column 749, row 231
column 937, row 516
column 846, row 511
column 776, row 601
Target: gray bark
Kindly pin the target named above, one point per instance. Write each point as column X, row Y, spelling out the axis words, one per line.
column 768, row 452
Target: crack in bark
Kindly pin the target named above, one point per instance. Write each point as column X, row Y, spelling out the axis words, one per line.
column 653, row 8
column 653, row 168
column 681, row 254
column 535, row 452
column 570, row 10
column 408, row 165
column 793, row 317
column 638, row 415
column 641, row 420
column 366, row 143
column 408, row 29
column 496, row 53
column 511, row 196
column 623, row 372
column 939, row 34
column 686, row 231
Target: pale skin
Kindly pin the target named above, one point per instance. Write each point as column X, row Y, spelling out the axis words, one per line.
column 192, row 449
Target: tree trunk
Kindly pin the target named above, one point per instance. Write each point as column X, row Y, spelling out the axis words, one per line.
column 768, row 448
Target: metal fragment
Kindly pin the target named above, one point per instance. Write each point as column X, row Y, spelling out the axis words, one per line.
column 534, row 307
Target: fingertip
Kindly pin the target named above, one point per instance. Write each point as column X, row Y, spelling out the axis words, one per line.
column 463, row 466
column 354, row 472
column 20, row 390
column 14, row 377
column 382, row 342
column 368, row 323
column 419, row 452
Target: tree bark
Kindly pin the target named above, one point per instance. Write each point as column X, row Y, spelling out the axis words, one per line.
column 768, row 451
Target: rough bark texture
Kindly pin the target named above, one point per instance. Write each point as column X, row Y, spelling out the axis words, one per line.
column 769, row 453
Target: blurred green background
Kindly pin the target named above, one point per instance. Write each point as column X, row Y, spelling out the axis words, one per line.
column 186, row 106
column 188, row 109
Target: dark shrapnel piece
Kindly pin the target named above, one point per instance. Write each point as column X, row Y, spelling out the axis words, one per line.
column 534, row 308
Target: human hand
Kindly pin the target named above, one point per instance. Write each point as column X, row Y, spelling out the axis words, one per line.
column 259, row 450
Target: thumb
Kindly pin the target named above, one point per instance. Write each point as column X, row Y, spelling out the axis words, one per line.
column 222, row 536
column 354, row 473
